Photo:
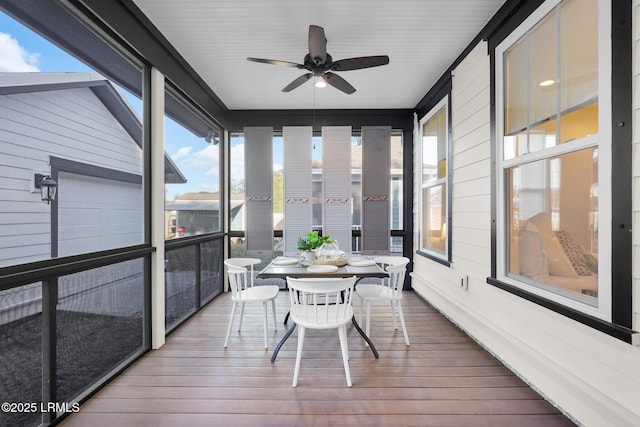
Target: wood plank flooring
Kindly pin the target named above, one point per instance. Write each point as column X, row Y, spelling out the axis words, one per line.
column 443, row 379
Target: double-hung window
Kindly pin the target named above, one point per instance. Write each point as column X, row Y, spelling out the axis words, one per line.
column 554, row 155
column 434, row 192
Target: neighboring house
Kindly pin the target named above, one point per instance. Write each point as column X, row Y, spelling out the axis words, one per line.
column 77, row 128
column 191, row 214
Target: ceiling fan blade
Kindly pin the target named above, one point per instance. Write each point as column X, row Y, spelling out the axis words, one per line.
column 359, row 63
column 297, row 82
column 338, row 82
column 317, row 44
column 276, row 62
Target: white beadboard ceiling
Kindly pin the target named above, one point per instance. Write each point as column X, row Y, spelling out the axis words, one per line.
column 421, row 37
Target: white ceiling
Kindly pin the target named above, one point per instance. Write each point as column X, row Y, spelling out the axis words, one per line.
column 421, row 37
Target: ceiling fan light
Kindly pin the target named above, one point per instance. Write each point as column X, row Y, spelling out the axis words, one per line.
column 321, row 84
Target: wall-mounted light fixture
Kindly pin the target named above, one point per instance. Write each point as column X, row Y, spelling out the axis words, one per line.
column 47, row 186
column 212, row 137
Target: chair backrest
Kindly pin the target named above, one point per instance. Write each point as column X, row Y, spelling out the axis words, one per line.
column 240, row 272
column 396, row 266
column 321, row 302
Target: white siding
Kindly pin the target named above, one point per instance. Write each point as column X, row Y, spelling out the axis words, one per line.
column 592, row 377
column 71, row 124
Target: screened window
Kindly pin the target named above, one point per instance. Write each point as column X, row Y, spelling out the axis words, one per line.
column 62, row 119
column 553, row 143
column 192, row 170
column 434, row 181
column 237, row 220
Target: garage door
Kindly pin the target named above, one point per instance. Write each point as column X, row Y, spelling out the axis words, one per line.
column 96, row 214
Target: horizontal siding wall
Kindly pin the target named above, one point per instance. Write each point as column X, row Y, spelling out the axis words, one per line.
column 71, row 124
column 590, row 376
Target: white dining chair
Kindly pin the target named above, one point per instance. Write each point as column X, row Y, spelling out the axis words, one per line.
column 321, row 303
column 241, row 281
column 389, row 289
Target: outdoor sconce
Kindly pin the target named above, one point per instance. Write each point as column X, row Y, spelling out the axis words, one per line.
column 47, row 186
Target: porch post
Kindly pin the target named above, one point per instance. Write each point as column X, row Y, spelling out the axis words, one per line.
column 157, row 209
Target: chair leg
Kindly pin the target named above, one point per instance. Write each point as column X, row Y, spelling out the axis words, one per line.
column 264, row 306
column 296, row 371
column 404, row 326
column 344, row 347
column 393, row 315
column 367, row 329
column 241, row 316
column 273, row 310
column 233, row 314
column 361, row 310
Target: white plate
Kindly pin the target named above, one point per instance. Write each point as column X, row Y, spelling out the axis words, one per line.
column 321, row 268
column 281, row 260
column 362, row 262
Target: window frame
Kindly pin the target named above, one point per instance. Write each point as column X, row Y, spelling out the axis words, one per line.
column 501, row 277
column 442, row 258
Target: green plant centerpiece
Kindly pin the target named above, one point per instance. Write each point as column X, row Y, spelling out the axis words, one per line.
column 310, row 242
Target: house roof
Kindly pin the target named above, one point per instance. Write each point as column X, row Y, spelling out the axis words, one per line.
column 199, row 205
column 103, row 89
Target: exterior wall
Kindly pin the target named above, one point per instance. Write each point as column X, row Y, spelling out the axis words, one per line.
column 71, row 124
column 589, row 375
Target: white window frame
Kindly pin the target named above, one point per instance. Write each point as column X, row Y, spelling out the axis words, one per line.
column 443, row 103
column 602, row 309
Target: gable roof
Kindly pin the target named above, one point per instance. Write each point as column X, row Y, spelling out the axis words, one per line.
column 103, row 89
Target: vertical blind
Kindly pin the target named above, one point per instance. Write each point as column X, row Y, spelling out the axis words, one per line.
column 376, row 164
column 258, row 167
column 297, row 143
column 336, row 184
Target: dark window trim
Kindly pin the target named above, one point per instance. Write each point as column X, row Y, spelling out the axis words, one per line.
column 434, row 257
column 444, row 91
column 621, row 134
column 616, row 331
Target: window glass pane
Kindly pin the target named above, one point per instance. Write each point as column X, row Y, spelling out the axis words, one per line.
column 579, row 47
column 278, row 184
column 579, row 123
column 553, row 235
column 396, row 183
column 356, row 183
column 316, row 184
column 192, row 176
column 434, row 211
column 236, row 171
column 434, row 147
column 543, row 69
column 515, row 88
column 66, row 121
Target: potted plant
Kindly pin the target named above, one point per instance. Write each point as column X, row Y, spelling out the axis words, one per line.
column 310, row 242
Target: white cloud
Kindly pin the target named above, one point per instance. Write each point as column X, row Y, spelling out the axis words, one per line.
column 15, row 58
column 236, row 165
column 182, row 152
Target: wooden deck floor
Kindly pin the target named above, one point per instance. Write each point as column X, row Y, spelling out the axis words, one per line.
column 443, row 379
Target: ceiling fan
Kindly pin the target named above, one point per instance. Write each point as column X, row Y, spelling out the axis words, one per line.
column 320, row 64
